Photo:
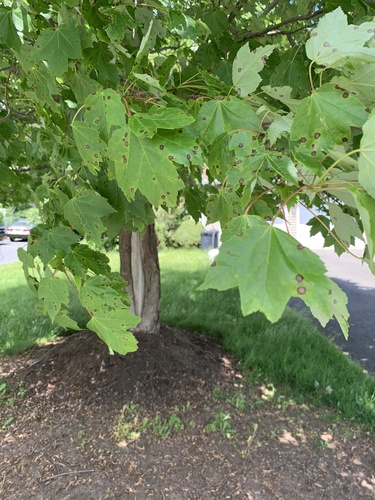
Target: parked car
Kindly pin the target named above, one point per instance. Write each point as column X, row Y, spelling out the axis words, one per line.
column 2, row 233
column 19, row 230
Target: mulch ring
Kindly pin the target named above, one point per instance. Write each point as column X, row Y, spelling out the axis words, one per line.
column 173, row 420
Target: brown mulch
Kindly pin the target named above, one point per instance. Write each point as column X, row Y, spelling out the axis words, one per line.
column 61, row 436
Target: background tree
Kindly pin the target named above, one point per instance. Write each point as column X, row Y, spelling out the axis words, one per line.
column 110, row 109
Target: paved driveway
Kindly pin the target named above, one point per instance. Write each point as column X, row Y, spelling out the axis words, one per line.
column 359, row 284
column 8, row 250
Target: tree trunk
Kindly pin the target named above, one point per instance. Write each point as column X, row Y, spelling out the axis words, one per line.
column 139, row 266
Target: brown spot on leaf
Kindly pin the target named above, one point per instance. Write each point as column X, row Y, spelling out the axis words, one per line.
column 317, row 135
column 300, row 247
column 345, row 95
column 301, row 290
column 303, row 139
column 299, row 278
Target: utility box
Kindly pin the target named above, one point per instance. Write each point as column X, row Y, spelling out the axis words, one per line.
column 209, row 239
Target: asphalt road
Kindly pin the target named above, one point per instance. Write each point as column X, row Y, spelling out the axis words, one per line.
column 8, row 250
column 349, row 273
column 359, row 284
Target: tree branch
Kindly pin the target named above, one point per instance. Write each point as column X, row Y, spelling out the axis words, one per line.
column 270, row 7
column 275, row 27
column 234, row 12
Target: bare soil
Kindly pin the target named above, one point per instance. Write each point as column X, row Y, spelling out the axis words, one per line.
column 72, row 428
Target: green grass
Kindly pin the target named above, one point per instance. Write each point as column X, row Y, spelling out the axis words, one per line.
column 292, row 353
column 21, row 326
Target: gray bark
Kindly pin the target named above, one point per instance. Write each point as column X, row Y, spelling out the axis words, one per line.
column 139, row 266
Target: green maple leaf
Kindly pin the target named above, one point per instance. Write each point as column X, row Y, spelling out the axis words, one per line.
column 262, row 160
column 269, row 266
column 282, row 94
column 366, row 208
column 82, row 258
column 147, row 124
column 105, row 110
column 217, row 117
column 292, row 73
column 323, row 119
column 89, row 145
column 221, row 207
column 246, row 68
column 366, row 162
column 101, row 293
column 333, row 40
column 57, row 47
column 54, row 291
column 180, row 144
column 112, row 328
column 58, row 238
column 144, row 164
column 360, row 82
column 65, row 321
column 121, row 20
column 82, row 86
column 41, row 86
column 280, row 125
column 312, row 163
column 102, row 60
column 84, row 213
column 345, row 225
column 28, row 263
column 8, row 32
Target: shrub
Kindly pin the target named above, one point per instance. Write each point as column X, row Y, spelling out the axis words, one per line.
column 187, row 235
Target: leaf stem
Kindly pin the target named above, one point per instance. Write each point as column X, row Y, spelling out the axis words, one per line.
column 285, row 202
column 310, row 77
column 255, row 200
column 355, row 151
column 75, row 116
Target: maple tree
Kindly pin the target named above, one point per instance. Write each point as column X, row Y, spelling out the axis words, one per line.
column 111, row 109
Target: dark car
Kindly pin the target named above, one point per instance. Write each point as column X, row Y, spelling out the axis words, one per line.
column 2, row 233
column 19, row 230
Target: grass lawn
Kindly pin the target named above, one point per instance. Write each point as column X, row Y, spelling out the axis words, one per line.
column 291, row 354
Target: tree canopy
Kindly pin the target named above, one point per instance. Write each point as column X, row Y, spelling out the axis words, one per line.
column 110, row 109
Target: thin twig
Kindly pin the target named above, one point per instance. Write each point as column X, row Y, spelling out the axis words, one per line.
column 270, row 7
column 66, row 474
column 275, row 27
